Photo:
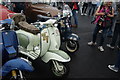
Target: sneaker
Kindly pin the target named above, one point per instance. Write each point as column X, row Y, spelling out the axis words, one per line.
column 100, row 31
column 85, row 14
column 108, row 45
column 113, row 68
column 101, row 48
column 91, row 43
column 81, row 13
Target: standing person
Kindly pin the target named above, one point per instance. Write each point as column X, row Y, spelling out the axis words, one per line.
column 85, row 7
column 75, row 8
column 116, row 67
column 93, row 7
column 110, row 32
column 103, row 14
column 116, row 30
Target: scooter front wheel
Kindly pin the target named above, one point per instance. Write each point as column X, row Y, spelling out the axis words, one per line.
column 59, row 70
column 71, row 46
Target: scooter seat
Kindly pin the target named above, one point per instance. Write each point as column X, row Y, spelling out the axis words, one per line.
column 43, row 18
column 28, row 27
column 50, row 21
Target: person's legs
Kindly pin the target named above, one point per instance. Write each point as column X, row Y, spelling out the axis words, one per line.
column 102, row 38
column 83, row 8
column 75, row 17
column 115, row 35
column 117, row 64
column 103, row 35
column 96, row 30
column 115, row 67
column 94, row 8
column 86, row 6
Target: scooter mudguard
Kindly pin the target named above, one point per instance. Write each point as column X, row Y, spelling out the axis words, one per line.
column 57, row 55
column 14, row 64
column 73, row 37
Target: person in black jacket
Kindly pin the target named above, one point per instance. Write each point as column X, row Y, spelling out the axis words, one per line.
column 116, row 66
column 116, row 33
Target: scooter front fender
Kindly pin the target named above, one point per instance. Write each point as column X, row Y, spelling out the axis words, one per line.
column 57, row 55
column 16, row 64
column 73, row 36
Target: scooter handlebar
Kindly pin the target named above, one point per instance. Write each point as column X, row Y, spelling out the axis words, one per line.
column 36, row 23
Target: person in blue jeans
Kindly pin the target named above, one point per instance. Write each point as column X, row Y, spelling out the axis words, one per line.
column 100, row 23
column 74, row 12
column 75, row 8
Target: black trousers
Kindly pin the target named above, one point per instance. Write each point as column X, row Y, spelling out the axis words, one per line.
column 116, row 34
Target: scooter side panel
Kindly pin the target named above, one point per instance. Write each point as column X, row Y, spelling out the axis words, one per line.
column 14, row 64
column 30, row 44
column 31, row 39
column 45, row 41
column 55, row 38
column 58, row 55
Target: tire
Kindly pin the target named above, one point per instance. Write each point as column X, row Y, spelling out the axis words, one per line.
column 60, row 74
column 71, row 46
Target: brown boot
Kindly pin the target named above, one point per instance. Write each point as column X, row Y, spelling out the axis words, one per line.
column 75, row 26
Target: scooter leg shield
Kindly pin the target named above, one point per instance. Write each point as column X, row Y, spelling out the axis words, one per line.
column 57, row 55
column 13, row 64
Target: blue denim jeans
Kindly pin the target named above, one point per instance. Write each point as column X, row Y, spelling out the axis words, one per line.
column 102, row 35
column 75, row 16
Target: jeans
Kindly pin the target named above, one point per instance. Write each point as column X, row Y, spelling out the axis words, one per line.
column 102, row 35
column 116, row 34
column 117, row 65
column 75, row 16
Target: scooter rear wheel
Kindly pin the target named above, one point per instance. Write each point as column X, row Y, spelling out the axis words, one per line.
column 71, row 46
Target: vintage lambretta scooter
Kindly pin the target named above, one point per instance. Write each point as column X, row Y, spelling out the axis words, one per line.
column 64, row 23
column 42, row 40
column 12, row 67
column 64, row 26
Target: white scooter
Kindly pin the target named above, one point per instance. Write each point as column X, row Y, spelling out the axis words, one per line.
column 42, row 40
